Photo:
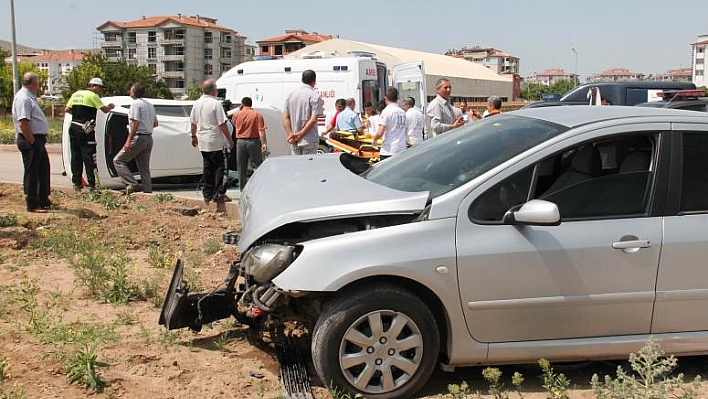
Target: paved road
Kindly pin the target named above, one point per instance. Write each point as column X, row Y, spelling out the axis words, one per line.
column 11, row 170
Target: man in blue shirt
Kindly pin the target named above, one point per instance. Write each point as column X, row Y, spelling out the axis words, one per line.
column 348, row 120
column 32, row 127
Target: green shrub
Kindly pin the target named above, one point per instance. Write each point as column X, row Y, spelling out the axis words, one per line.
column 8, row 220
column 650, row 378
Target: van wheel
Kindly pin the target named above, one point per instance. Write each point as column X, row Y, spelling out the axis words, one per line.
column 323, row 149
column 380, row 342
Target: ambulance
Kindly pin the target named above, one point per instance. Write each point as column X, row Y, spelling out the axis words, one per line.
column 358, row 75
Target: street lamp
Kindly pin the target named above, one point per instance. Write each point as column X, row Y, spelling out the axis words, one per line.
column 576, row 66
column 15, row 77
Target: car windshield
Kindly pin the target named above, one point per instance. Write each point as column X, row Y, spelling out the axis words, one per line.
column 455, row 158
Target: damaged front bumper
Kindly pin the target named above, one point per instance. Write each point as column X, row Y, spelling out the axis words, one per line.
column 247, row 303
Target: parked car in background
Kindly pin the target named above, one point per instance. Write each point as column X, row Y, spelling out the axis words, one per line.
column 690, row 100
column 551, row 97
column 616, row 93
column 565, row 233
column 49, row 96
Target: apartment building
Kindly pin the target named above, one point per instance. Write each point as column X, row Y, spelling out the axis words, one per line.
column 293, row 40
column 698, row 61
column 551, row 76
column 494, row 59
column 181, row 50
column 615, row 75
column 56, row 64
column 672, row 75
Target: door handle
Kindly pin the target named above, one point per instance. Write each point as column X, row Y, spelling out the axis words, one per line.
column 631, row 244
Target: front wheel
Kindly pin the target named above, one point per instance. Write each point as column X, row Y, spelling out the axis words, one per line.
column 381, row 342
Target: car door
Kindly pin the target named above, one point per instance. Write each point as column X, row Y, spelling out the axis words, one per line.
column 594, row 274
column 682, row 285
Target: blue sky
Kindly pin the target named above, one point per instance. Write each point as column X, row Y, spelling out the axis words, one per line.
column 646, row 36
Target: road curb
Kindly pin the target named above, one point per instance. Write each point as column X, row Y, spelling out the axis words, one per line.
column 51, row 148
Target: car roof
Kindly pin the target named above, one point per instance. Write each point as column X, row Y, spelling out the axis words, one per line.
column 585, row 114
column 674, row 103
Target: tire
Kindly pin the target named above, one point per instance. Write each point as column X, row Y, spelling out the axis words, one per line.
column 323, row 149
column 373, row 366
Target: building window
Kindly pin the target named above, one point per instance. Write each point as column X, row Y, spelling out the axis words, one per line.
column 208, row 53
column 225, row 53
column 131, row 53
column 132, row 37
column 699, row 72
column 179, row 66
column 207, row 37
column 112, row 53
column 224, row 68
column 179, row 34
column 110, row 37
column 699, row 61
column 265, row 49
column 208, row 69
column 179, row 50
column 152, row 36
column 179, row 84
column 225, row 37
column 152, row 68
column 152, row 53
column 699, row 49
column 278, row 49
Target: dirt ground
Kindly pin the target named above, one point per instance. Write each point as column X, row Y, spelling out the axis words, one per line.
column 43, row 306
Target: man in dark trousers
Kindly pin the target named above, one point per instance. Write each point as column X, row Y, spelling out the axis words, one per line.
column 31, row 127
column 211, row 135
column 250, row 130
column 83, row 106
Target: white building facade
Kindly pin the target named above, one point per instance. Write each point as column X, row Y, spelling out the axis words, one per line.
column 182, row 50
column 698, row 61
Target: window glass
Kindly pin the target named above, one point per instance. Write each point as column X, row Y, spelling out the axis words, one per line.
column 609, row 177
column 694, row 192
column 458, row 156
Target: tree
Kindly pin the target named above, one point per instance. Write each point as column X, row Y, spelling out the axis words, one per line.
column 6, row 93
column 194, row 91
column 117, row 77
column 534, row 91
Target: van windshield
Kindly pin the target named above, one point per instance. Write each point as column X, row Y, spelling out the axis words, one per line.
column 370, row 92
column 448, row 161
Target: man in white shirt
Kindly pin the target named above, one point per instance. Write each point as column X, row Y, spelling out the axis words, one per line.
column 209, row 132
column 415, row 121
column 392, row 126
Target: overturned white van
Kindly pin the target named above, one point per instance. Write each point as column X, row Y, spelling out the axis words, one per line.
column 173, row 158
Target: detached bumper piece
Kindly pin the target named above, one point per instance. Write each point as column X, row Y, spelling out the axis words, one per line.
column 294, row 381
column 192, row 310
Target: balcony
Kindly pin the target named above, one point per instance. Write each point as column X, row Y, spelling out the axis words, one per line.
column 172, row 41
column 172, row 57
column 225, row 60
column 116, row 42
column 173, row 74
column 113, row 58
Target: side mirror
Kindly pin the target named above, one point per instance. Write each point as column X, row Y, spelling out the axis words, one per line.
column 535, row 213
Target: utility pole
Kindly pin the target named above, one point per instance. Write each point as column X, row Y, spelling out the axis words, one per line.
column 15, row 78
column 577, row 80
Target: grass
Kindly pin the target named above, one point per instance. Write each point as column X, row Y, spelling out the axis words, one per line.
column 8, row 220
column 7, row 130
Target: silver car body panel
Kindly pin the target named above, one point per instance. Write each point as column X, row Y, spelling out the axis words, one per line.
column 308, row 188
column 555, row 291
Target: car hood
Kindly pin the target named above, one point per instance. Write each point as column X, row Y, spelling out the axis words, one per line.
column 307, row 188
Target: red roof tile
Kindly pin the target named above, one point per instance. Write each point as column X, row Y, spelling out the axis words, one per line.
column 307, row 38
column 150, row 22
column 55, row 56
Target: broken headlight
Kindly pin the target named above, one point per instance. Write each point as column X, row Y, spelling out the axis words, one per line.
column 265, row 262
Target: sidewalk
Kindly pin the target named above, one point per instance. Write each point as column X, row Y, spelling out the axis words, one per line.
column 11, row 170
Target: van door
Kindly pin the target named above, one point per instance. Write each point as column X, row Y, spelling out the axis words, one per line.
column 409, row 79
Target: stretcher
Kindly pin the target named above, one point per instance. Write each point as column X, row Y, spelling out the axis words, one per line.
column 354, row 144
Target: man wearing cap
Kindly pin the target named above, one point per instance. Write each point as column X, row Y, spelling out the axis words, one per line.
column 83, row 106
column 31, row 128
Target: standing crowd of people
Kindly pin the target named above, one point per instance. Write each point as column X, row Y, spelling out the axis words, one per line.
column 397, row 128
